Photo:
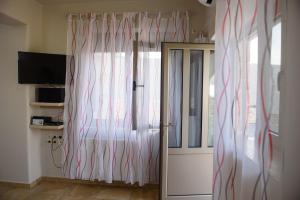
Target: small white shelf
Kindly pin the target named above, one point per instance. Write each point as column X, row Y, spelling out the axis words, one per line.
column 45, row 104
column 60, row 127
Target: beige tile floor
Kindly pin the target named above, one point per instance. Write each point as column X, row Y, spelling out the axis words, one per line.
column 73, row 191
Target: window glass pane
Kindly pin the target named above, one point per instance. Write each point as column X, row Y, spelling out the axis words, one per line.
column 154, row 77
column 273, row 102
column 146, row 97
column 275, row 67
column 195, row 99
column 104, row 85
column 211, row 99
column 175, row 98
column 252, row 95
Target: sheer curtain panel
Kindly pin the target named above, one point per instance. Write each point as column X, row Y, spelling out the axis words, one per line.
column 248, row 59
column 152, row 31
column 112, row 128
column 98, row 137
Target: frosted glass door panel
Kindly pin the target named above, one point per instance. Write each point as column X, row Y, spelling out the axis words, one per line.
column 175, row 96
column 195, row 99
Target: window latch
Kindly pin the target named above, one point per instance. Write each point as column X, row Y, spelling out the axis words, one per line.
column 135, row 85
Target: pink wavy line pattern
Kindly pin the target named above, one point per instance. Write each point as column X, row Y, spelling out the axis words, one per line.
column 81, row 158
column 227, row 166
column 236, row 99
column 223, row 94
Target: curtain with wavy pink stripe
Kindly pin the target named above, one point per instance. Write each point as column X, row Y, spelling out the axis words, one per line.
column 97, row 116
column 112, row 131
column 152, row 31
column 247, row 152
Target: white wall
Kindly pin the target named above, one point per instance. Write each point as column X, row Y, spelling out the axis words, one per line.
column 22, row 146
column 290, row 100
column 13, row 103
column 29, row 12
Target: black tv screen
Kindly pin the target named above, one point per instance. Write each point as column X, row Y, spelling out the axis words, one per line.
column 41, row 68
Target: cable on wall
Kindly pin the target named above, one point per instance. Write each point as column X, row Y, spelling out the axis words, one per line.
column 54, row 149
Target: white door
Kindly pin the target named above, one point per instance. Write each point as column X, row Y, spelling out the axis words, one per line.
column 187, row 153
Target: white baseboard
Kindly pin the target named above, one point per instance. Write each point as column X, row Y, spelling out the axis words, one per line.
column 75, row 181
column 21, row 184
column 194, row 197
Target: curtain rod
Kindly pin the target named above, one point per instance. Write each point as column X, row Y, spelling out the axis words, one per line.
column 169, row 13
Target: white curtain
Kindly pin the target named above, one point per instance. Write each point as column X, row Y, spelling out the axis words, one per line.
column 153, row 31
column 112, row 133
column 248, row 46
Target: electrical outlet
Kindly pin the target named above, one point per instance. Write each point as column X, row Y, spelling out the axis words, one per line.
column 49, row 139
column 60, row 139
column 55, row 139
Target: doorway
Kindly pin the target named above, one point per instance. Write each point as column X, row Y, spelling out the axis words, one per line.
column 187, row 108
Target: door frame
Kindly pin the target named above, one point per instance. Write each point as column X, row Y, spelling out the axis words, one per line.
column 165, row 47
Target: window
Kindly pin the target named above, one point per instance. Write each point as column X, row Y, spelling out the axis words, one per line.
column 106, row 83
column 195, row 99
column 153, row 80
column 115, row 99
column 147, row 79
column 276, row 67
column 175, row 97
column 273, row 104
column 189, row 69
column 252, row 94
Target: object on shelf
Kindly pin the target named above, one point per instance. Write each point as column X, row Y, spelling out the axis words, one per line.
column 40, row 120
column 44, row 104
column 44, row 127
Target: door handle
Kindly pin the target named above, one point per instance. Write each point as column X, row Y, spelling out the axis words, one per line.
column 168, row 125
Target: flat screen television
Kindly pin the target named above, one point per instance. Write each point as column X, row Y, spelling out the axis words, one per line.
column 41, row 68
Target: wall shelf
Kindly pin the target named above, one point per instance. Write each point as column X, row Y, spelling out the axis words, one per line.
column 45, row 104
column 60, row 127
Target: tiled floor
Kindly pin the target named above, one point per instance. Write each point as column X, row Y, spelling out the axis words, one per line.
column 71, row 191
